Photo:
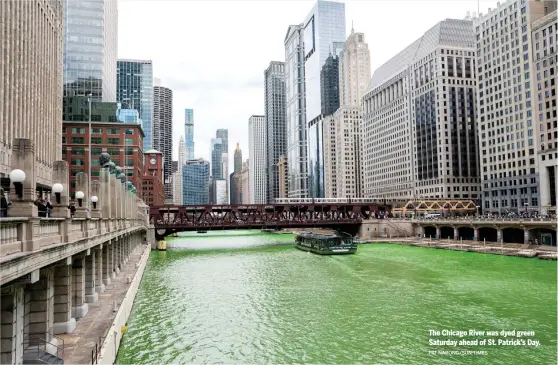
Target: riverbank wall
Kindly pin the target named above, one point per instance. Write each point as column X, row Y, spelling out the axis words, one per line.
column 541, row 252
column 110, row 346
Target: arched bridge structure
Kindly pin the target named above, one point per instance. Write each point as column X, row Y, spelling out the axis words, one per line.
column 346, row 217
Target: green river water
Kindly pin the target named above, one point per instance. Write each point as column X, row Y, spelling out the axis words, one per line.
column 244, row 297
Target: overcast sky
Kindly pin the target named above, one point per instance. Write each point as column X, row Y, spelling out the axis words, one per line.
column 213, row 54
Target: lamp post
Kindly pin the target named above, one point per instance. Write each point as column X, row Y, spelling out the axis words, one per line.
column 57, row 190
column 94, row 200
column 17, row 176
column 79, row 196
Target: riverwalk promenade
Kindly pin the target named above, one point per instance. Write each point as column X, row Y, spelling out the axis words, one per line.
column 507, row 249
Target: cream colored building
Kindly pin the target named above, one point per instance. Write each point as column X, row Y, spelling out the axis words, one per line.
column 283, row 172
column 245, row 181
column 31, row 34
column 342, row 131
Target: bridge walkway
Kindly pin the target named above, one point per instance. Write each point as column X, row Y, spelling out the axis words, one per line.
column 79, row 344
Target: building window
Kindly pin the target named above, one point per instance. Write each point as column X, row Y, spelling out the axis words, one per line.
column 113, row 151
column 78, row 140
column 113, row 131
column 129, row 131
column 96, row 140
column 80, row 151
column 97, row 131
column 128, row 141
column 64, row 151
column 96, row 151
column 114, row 141
column 78, row 130
column 77, row 162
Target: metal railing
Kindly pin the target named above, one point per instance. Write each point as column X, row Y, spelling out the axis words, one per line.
column 96, row 351
column 38, row 349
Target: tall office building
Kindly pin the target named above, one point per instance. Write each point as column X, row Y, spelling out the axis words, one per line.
column 195, row 187
column 510, row 104
column 236, row 181
column 245, row 181
column 324, row 25
column 297, row 152
column 544, row 36
column 276, row 125
column 342, row 132
column 225, row 173
column 257, row 148
column 31, row 99
column 189, row 133
column 329, row 83
column 134, row 90
column 178, row 180
column 224, row 135
column 216, row 158
column 90, row 45
column 419, row 132
column 162, row 131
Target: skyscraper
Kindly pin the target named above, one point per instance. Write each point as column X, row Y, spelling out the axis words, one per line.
column 216, row 158
column 513, row 128
column 324, row 26
column 419, row 132
column 258, row 150
column 237, row 159
column 224, row 135
column 235, row 180
column 31, row 102
column 329, row 81
column 134, row 90
column 189, row 133
column 178, row 182
column 195, row 187
column 276, row 124
column 342, row 132
column 162, row 131
column 91, row 35
column 296, row 113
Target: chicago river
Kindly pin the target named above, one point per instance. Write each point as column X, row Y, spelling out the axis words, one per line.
column 247, row 297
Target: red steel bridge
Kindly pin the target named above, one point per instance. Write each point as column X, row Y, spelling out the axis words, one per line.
column 346, row 217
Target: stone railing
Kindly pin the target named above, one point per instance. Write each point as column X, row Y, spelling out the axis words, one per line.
column 22, row 235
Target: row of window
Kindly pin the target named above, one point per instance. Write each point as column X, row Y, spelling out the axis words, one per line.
column 97, row 140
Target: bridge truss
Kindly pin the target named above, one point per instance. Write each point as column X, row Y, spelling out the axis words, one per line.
column 169, row 219
column 436, row 205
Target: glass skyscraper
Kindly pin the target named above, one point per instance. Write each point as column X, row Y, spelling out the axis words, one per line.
column 189, row 133
column 195, row 186
column 90, row 40
column 217, row 150
column 324, row 27
column 135, row 91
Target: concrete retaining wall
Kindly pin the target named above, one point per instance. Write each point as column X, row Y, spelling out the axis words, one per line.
column 385, row 228
column 109, row 349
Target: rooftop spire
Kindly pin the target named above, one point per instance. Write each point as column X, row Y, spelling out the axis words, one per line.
column 352, row 26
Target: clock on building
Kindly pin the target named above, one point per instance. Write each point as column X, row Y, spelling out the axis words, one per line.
column 153, row 161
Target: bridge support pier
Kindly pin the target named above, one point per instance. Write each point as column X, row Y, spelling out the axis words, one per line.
column 39, row 305
column 64, row 322
column 499, row 235
column 12, row 319
column 527, row 236
column 91, row 296
column 475, row 234
column 438, row 232
column 455, row 233
column 106, row 263
column 79, row 306
column 99, row 283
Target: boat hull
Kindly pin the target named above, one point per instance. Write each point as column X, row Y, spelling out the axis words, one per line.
column 328, row 250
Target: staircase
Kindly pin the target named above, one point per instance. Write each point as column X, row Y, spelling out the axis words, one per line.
column 44, row 352
column 401, row 231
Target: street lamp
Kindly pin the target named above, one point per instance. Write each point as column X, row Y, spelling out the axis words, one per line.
column 17, row 176
column 478, row 207
column 57, row 190
column 94, row 200
column 79, row 196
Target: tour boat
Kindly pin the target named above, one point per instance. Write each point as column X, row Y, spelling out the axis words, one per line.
column 326, row 244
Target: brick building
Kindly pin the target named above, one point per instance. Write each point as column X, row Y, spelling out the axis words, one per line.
column 153, row 189
column 123, row 142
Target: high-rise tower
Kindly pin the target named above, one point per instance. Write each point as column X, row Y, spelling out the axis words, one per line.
column 276, row 125
column 162, row 131
column 257, row 148
column 134, row 90
column 189, row 133
column 91, row 36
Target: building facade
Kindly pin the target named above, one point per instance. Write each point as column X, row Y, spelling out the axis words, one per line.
column 31, row 106
column 224, row 135
column 235, row 181
column 189, row 133
column 258, row 150
column 276, row 126
column 324, row 26
column 329, row 81
column 342, row 132
column 509, row 110
column 162, row 131
column 152, row 185
column 245, row 181
column 195, row 177
column 297, row 145
column 544, row 36
column 419, row 128
column 90, row 46
column 217, row 158
column 178, row 182
column 283, row 168
column 220, row 192
column 134, row 90
column 123, row 142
